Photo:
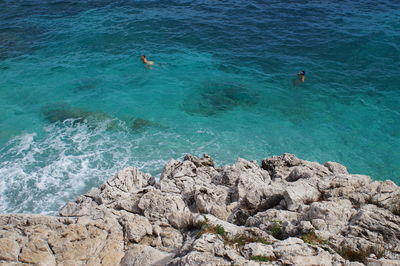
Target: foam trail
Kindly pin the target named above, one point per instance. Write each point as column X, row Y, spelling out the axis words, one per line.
column 40, row 173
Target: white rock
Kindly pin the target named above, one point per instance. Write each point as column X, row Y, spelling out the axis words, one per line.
column 145, row 255
column 300, row 192
column 135, row 227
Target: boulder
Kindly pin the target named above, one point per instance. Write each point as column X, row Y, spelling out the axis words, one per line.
column 336, row 168
column 145, row 255
column 298, row 193
column 135, row 227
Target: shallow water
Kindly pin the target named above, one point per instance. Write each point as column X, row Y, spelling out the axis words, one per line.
column 76, row 103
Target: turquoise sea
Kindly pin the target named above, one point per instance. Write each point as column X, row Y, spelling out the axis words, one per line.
column 77, row 104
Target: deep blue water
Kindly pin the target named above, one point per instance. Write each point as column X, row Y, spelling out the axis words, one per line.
column 77, row 104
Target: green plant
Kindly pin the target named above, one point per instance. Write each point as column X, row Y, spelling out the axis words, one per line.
column 243, row 239
column 261, row 258
column 206, row 227
column 379, row 251
column 312, row 238
column 361, row 255
column 203, row 223
column 262, row 241
column 276, row 230
column 219, row 230
column 326, row 248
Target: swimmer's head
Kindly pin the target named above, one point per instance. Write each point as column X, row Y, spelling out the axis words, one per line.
column 302, row 73
column 142, row 56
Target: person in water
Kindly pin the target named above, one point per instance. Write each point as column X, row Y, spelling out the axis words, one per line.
column 145, row 61
column 301, row 75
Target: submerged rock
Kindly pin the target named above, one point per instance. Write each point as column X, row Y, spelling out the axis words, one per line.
column 60, row 113
column 64, row 112
column 214, row 98
column 287, row 212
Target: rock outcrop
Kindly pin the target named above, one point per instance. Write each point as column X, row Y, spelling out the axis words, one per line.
column 285, row 212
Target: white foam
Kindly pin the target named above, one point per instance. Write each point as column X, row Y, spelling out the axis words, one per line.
column 41, row 173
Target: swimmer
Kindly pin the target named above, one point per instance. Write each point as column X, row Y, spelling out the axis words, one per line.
column 145, row 61
column 301, row 75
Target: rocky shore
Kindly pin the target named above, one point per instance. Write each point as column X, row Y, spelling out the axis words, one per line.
column 285, row 212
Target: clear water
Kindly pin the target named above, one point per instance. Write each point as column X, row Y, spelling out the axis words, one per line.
column 76, row 103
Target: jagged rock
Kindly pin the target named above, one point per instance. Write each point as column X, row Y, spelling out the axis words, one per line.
column 183, row 177
column 176, row 169
column 83, row 206
column 157, row 205
column 282, row 166
column 299, row 172
column 122, row 191
column 124, row 183
column 242, row 170
column 298, row 193
column 206, row 160
column 334, row 214
column 258, row 249
column 379, row 226
column 37, row 251
column 230, row 229
column 210, row 243
column 289, row 211
column 336, row 168
column 295, row 251
column 279, row 166
column 286, row 221
column 200, row 258
column 145, row 255
column 93, row 242
column 182, row 220
column 9, row 250
column 248, row 186
column 52, row 240
column 387, row 195
column 357, row 188
column 212, row 199
column 135, row 227
column 382, row 262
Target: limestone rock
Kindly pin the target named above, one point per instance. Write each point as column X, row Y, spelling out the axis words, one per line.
column 376, row 225
column 336, row 168
column 298, row 193
column 258, row 249
column 357, row 188
column 124, row 183
column 9, row 249
column 135, row 227
column 157, row 205
column 288, row 211
column 206, row 160
column 279, row 166
column 200, row 258
column 387, row 196
column 37, row 251
column 212, row 199
column 335, row 215
column 145, row 255
column 175, row 169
